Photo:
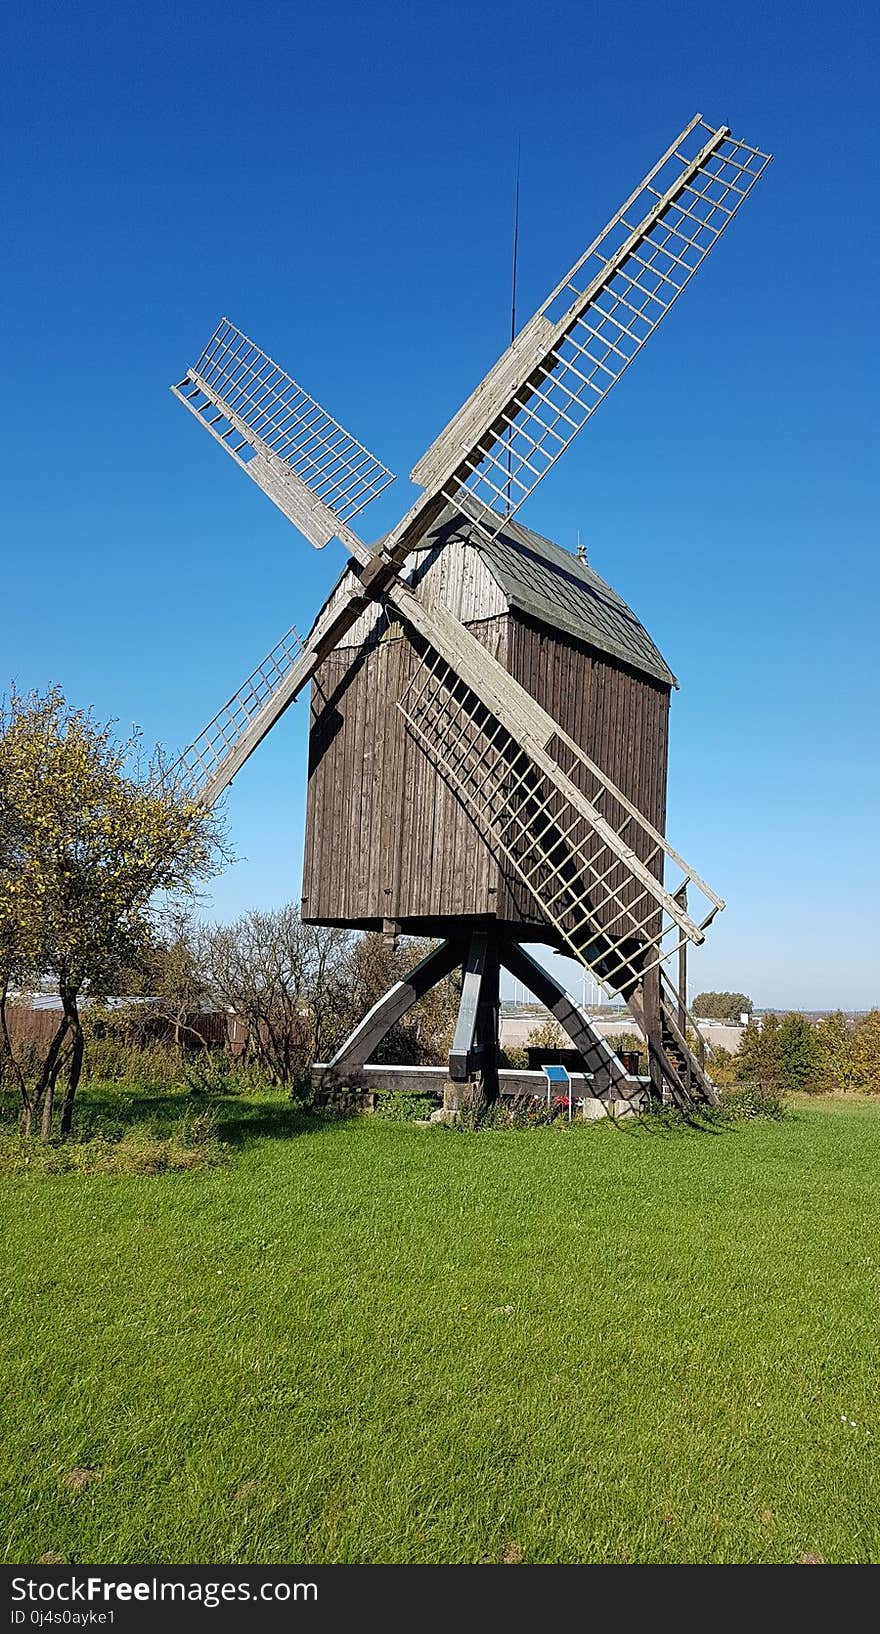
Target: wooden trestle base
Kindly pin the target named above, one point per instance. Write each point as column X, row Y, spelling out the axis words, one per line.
column 473, row 1070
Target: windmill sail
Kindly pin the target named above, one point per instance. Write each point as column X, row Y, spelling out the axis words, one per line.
column 566, row 359
column 314, row 470
column 208, row 765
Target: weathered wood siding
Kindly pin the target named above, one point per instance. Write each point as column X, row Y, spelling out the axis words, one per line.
column 385, row 837
column 619, row 717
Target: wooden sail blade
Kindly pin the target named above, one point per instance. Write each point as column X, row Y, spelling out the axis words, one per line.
column 308, row 464
column 208, row 765
column 592, row 863
column 567, row 358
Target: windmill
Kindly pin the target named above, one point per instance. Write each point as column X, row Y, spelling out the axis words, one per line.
column 488, row 740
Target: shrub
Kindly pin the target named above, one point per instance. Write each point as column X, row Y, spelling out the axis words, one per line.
column 115, row 1059
column 547, row 1035
column 752, row 1101
column 721, row 1064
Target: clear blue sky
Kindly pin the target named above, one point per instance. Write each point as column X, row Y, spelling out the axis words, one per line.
column 337, row 178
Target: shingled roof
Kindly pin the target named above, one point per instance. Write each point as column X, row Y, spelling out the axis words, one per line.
column 555, row 588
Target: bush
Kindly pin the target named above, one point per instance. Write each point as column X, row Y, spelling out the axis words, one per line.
column 721, row 1064
column 547, row 1035
column 209, row 1072
column 627, row 1041
column 752, row 1101
column 112, row 1058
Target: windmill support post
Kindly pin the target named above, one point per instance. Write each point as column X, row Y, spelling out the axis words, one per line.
column 647, row 1006
column 345, row 1067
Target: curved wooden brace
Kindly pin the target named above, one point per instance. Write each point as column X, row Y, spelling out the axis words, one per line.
column 610, row 1079
column 391, row 1008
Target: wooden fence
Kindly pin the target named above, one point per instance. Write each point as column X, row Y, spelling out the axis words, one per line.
column 29, row 1024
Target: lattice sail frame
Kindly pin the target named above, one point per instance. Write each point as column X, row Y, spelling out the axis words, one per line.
column 196, row 768
column 581, row 848
column 315, row 470
column 566, row 360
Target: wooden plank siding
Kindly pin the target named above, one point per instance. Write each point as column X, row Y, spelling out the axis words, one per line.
column 385, row 836
column 619, row 717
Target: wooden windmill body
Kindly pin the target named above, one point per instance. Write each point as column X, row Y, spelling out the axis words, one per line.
column 387, row 841
column 488, row 745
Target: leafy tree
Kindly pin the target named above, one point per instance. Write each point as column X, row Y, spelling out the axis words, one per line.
column 722, row 1006
column 782, row 1054
column 849, row 1053
column 175, row 979
column 769, row 1058
column 84, row 848
column 866, row 1053
column 748, row 1056
column 757, row 1059
column 798, row 1054
column 834, row 1043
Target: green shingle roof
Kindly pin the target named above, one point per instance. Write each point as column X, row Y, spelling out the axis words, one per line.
column 556, row 588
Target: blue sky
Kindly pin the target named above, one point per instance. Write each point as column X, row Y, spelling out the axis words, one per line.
column 337, row 179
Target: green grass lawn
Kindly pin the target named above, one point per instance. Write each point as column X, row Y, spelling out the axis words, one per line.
column 364, row 1341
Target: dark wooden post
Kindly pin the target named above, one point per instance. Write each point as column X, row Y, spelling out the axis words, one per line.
column 650, row 1004
column 489, row 1021
column 473, row 1059
column 681, row 899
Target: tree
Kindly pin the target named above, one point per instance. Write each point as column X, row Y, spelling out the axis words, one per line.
column 84, row 848
column 798, row 1054
column 757, row 1059
column 849, row 1053
column 866, row 1051
column 175, row 979
column 286, row 981
column 834, row 1043
column 722, row 1006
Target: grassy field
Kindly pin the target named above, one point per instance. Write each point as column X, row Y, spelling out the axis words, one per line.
column 363, row 1341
